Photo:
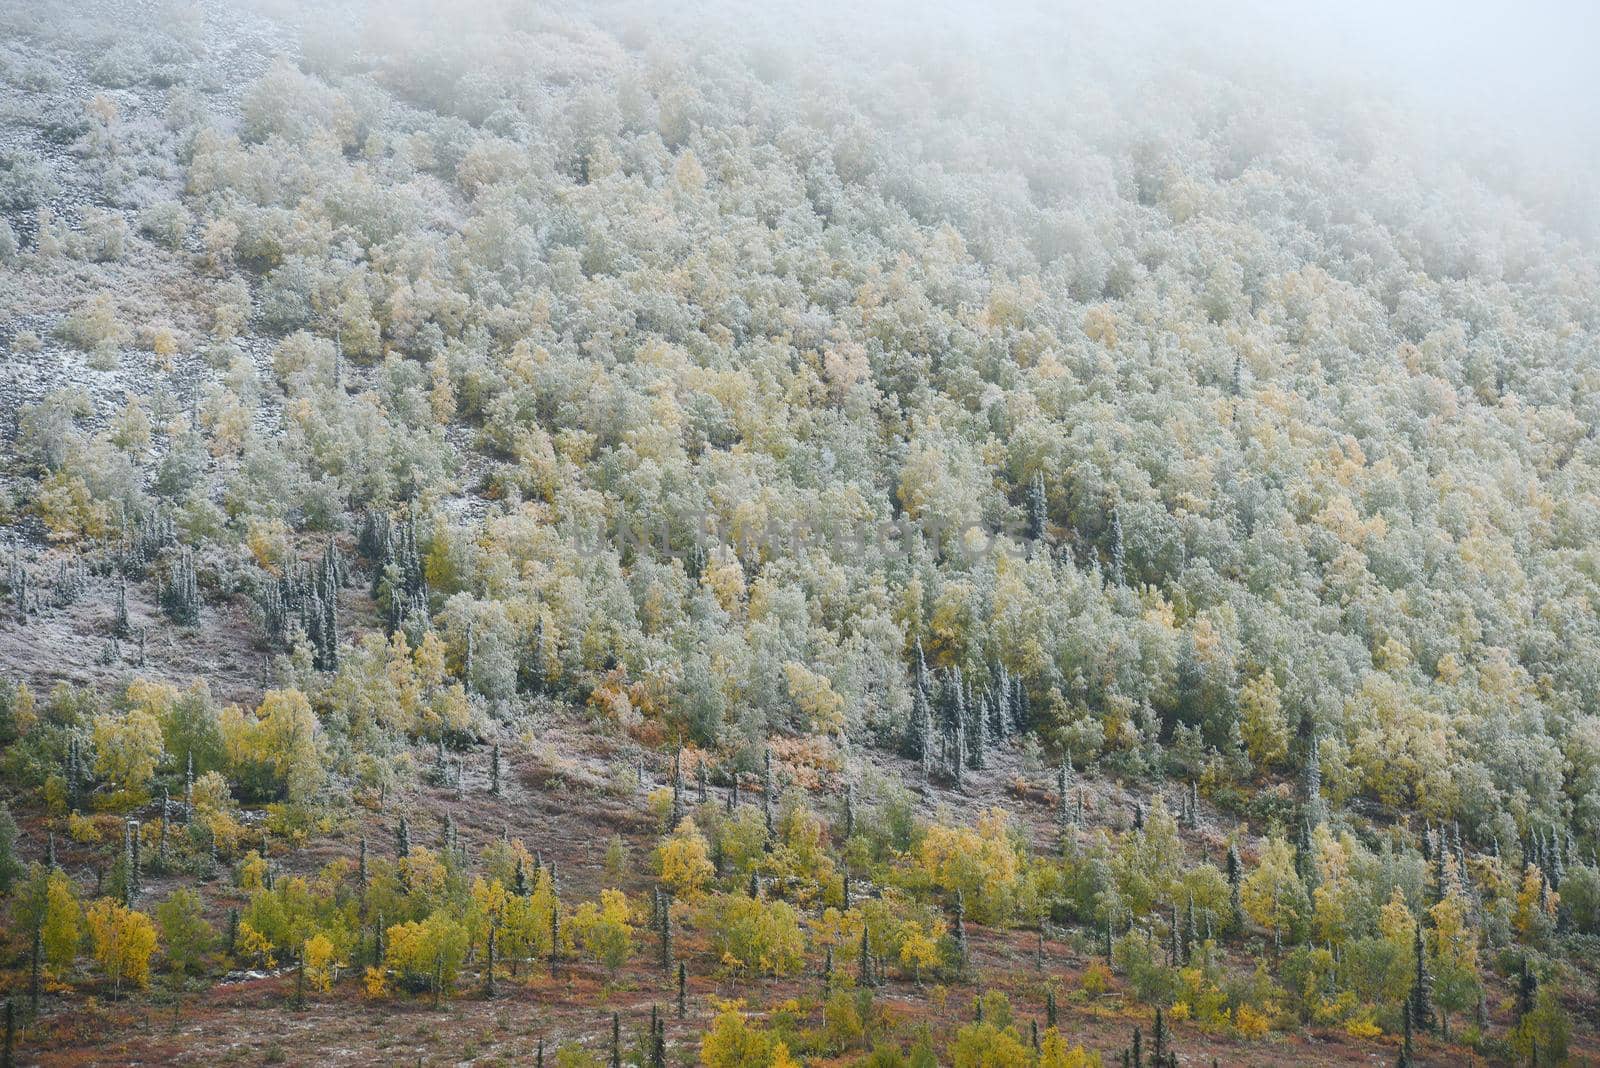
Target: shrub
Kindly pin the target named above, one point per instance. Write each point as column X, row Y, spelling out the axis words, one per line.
column 166, row 223
column 25, row 183
column 92, row 324
column 749, row 934
column 427, row 954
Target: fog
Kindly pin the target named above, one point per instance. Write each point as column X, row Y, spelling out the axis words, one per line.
column 1525, row 71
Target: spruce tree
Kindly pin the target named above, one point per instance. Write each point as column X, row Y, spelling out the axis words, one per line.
column 864, row 965
column 1317, row 812
column 679, row 804
column 977, row 737
column 533, row 671
column 961, row 932
column 666, row 932
column 8, row 1051
column 494, row 770
column 1038, row 514
column 616, row 1040
column 488, row 971
column 918, row 737
column 1527, row 990
column 1118, row 560
column 1191, row 932
column 121, row 627
column 35, row 976
column 1063, row 778
column 299, row 1001
column 1050, row 1007
column 1235, row 880
column 1421, row 985
column 683, row 990
column 768, row 788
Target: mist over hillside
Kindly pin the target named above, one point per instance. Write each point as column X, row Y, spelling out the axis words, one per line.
column 885, row 534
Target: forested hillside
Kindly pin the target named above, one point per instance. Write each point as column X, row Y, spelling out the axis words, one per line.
column 894, row 538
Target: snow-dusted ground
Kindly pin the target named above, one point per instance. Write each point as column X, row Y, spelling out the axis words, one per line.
column 51, row 68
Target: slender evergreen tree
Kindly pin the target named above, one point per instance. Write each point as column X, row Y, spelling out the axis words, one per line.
column 1421, row 984
column 864, row 965
column 1038, row 515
